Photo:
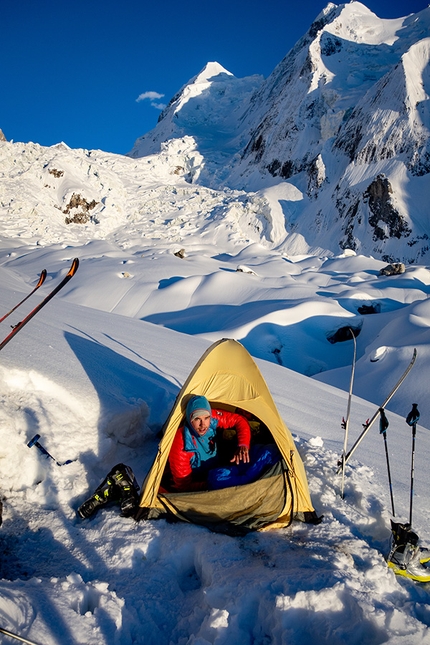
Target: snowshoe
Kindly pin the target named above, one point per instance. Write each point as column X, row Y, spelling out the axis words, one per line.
column 406, row 558
column 121, row 486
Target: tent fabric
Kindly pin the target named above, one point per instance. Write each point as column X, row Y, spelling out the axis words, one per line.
column 229, row 378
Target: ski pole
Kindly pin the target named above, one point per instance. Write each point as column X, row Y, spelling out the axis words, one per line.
column 370, row 422
column 383, row 425
column 18, row 638
column 411, row 420
column 345, row 422
column 35, row 442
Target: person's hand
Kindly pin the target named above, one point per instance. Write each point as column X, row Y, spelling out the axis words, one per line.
column 241, row 454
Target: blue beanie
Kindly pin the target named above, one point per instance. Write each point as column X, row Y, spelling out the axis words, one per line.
column 197, row 404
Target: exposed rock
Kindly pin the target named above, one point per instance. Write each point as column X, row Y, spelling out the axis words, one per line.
column 365, row 310
column 83, row 216
column 397, row 268
column 386, row 220
column 242, row 268
column 343, row 333
column 57, row 173
column 2, row 137
column 180, row 254
column 348, row 208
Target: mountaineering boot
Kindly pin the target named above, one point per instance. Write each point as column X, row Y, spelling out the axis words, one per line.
column 126, row 482
column 406, row 557
column 402, row 534
column 106, row 492
column 408, row 564
column 121, row 486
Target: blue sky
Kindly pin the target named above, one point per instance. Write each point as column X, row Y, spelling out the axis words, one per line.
column 72, row 71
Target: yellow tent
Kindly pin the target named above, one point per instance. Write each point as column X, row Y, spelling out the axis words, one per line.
column 229, row 378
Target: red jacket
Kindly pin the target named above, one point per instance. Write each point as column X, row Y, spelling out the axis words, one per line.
column 179, row 458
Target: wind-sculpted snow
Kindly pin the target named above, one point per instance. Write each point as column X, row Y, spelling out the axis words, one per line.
column 97, row 387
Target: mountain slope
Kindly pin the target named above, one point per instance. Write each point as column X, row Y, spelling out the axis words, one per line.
column 343, row 120
column 330, row 152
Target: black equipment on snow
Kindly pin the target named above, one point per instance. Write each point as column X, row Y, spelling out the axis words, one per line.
column 406, row 558
column 383, row 426
column 35, row 442
column 402, row 535
column 412, row 420
column 120, row 486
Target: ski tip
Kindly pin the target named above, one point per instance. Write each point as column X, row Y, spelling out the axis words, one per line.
column 41, row 278
column 74, row 267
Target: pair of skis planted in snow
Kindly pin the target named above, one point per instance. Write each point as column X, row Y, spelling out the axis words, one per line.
column 380, row 412
column 16, row 328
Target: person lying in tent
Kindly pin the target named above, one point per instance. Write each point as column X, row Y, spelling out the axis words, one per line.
column 195, row 461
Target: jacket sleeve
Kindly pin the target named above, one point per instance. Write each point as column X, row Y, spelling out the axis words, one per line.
column 237, row 422
column 180, row 466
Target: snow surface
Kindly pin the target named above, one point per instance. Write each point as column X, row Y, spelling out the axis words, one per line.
column 167, row 266
column 95, row 374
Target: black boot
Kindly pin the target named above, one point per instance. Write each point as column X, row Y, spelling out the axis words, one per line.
column 120, row 485
column 106, row 492
column 129, row 489
column 406, row 558
column 402, row 534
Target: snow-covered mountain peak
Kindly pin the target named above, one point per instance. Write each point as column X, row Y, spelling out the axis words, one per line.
column 209, row 108
column 327, row 9
column 210, row 72
column 355, row 22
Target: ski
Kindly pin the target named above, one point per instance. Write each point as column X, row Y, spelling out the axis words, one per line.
column 345, row 421
column 370, row 422
column 24, row 321
column 39, row 284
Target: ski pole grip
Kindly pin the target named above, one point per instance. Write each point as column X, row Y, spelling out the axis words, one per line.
column 413, row 416
column 383, row 421
column 33, row 441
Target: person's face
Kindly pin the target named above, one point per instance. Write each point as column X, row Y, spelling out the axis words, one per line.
column 201, row 423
